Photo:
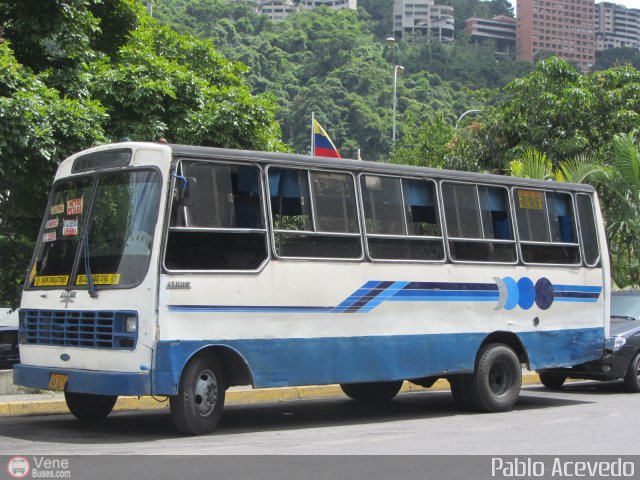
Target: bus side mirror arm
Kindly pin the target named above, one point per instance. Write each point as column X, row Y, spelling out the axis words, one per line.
column 186, row 191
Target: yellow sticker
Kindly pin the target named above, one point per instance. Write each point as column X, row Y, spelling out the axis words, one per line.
column 100, row 279
column 530, row 199
column 51, row 281
column 34, row 272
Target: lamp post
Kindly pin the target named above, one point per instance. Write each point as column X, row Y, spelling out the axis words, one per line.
column 463, row 115
column 396, row 68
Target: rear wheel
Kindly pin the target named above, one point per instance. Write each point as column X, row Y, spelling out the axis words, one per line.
column 198, row 406
column 552, row 381
column 372, row 392
column 632, row 377
column 495, row 384
column 88, row 407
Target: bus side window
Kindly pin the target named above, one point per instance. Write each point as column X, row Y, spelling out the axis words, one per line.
column 314, row 214
column 546, row 227
column 224, row 228
column 401, row 219
column 588, row 231
column 478, row 221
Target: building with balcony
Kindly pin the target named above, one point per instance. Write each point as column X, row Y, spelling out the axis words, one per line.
column 617, row 26
column 501, row 30
column 423, row 20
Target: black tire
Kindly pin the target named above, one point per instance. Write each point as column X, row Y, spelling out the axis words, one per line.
column 460, row 390
column 495, row 384
column 372, row 392
column 553, row 381
column 632, row 377
column 88, row 407
column 197, row 408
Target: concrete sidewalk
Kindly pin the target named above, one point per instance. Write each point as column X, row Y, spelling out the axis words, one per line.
column 49, row 403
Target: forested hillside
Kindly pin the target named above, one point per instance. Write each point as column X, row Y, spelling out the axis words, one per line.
column 339, row 65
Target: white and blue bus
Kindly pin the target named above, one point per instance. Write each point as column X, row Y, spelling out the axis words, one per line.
column 181, row 271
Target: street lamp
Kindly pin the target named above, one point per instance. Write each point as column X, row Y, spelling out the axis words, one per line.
column 396, row 68
column 465, row 113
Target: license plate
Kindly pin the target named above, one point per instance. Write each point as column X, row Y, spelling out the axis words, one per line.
column 57, row 382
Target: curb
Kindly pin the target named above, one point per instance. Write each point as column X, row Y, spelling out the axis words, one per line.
column 234, row 396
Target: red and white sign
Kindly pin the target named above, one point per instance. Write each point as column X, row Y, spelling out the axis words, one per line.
column 74, row 206
column 49, row 237
column 53, row 223
column 70, row 227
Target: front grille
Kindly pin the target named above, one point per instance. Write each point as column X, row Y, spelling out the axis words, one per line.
column 87, row 329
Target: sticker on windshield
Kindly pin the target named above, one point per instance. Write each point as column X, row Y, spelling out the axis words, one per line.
column 53, row 223
column 100, row 279
column 49, row 237
column 74, row 206
column 70, row 227
column 51, row 280
column 530, row 199
column 57, row 209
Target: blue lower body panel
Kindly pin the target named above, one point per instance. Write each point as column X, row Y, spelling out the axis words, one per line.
column 85, row 381
column 319, row 361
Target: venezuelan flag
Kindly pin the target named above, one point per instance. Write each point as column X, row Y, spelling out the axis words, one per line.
column 323, row 146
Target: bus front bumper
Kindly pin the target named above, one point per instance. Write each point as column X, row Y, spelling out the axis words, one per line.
column 83, row 381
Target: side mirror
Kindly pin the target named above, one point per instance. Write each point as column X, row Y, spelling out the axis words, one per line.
column 186, row 191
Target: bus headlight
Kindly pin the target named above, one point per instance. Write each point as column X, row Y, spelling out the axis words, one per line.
column 131, row 324
column 618, row 343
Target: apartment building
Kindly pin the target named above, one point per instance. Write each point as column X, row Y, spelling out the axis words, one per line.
column 617, row 26
column 416, row 20
column 565, row 28
column 500, row 29
column 280, row 9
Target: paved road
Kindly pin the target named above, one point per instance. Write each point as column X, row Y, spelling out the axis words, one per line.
column 586, row 418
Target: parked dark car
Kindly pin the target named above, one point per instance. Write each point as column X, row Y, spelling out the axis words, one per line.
column 622, row 353
column 9, row 354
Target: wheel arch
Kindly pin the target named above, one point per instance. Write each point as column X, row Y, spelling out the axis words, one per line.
column 235, row 367
column 510, row 339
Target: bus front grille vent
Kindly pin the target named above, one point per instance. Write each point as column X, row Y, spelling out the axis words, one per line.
column 86, row 329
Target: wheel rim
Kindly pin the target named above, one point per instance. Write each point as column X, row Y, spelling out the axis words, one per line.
column 206, row 392
column 499, row 378
column 638, row 370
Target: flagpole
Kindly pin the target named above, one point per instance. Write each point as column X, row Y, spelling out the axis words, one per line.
column 313, row 137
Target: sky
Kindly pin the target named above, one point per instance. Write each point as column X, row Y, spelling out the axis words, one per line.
column 626, row 3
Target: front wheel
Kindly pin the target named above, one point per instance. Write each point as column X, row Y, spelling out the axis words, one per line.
column 88, row 407
column 495, row 384
column 198, row 406
column 632, row 377
column 552, row 381
column 372, row 392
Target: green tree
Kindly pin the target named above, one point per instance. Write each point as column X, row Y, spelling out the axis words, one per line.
column 38, row 128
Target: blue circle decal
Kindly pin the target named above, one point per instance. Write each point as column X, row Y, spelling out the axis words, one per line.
column 512, row 293
column 527, row 293
column 544, row 293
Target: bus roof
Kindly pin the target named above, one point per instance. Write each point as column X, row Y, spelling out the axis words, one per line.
column 289, row 159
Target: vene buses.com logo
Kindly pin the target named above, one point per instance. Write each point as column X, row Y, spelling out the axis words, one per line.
column 18, row 467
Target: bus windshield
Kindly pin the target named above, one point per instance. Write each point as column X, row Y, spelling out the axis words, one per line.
column 104, row 222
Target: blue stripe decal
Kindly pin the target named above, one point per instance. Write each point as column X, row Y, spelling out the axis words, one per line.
column 505, row 291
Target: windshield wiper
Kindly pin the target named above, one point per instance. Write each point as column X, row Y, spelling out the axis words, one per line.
column 87, row 268
column 624, row 317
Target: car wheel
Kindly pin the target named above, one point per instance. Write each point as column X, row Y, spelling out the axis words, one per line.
column 495, row 384
column 88, row 407
column 198, row 406
column 372, row 392
column 632, row 377
column 552, row 381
